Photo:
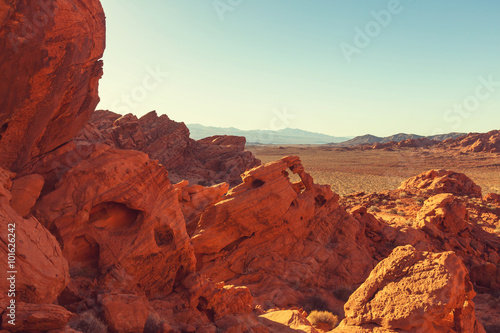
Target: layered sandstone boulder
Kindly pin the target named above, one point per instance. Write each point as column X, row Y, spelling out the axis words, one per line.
column 50, row 65
column 25, row 192
column 442, row 215
column 118, row 209
column 125, row 313
column 414, row 291
column 37, row 318
column 281, row 239
column 208, row 161
column 443, row 181
column 195, row 198
column 35, row 255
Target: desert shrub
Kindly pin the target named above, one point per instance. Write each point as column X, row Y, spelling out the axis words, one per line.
column 399, row 202
column 325, row 317
column 403, row 195
column 373, row 209
column 385, row 201
column 392, row 211
column 376, row 200
column 311, row 303
column 491, row 207
column 497, row 230
column 87, row 323
column 419, row 200
column 401, row 213
column 343, row 293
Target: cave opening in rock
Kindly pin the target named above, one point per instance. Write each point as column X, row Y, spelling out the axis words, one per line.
column 113, row 216
column 320, row 200
column 203, row 307
column 83, row 256
column 3, row 128
column 257, row 183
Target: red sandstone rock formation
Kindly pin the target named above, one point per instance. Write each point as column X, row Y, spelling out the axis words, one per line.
column 209, row 161
column 37, row 318
column 147, row 255
column 195, row 198
column 443, row 181
column 281, row 238
column 416, row 292
column 42, row 271
column 118, row 209
column 58, row 45
column 443, row 215
column 476, row 142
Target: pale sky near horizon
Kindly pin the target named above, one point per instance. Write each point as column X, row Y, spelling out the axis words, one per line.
column 342, row 68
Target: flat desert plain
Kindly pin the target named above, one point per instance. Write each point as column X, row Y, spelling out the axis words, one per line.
column 350, row 170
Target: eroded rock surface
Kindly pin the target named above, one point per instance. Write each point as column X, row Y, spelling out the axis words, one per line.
column 443, row 181
column 42, row 271
column 415, row 292
column 118, row 209
column 209, row 161
column 280, row 238
column 50, row 65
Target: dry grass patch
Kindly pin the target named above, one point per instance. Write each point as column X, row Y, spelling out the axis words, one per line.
column 323, row 317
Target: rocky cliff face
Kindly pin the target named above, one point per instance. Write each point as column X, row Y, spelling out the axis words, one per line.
column 50, row 65
column 111, row 234
column 207, row 161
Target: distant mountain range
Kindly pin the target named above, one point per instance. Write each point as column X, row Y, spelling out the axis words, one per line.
column 297, row 136
column 369, row 139
column 283, row 136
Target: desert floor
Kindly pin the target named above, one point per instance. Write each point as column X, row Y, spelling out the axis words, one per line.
column 350, row 171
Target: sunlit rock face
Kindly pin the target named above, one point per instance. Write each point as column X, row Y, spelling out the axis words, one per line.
column 118, row 209
column 50, row 65
column 208, row 161
column 414, row 291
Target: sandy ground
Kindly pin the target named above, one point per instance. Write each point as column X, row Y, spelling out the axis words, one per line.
column 350, row 171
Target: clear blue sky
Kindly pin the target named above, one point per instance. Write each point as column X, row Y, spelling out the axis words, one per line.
column 248, row 60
